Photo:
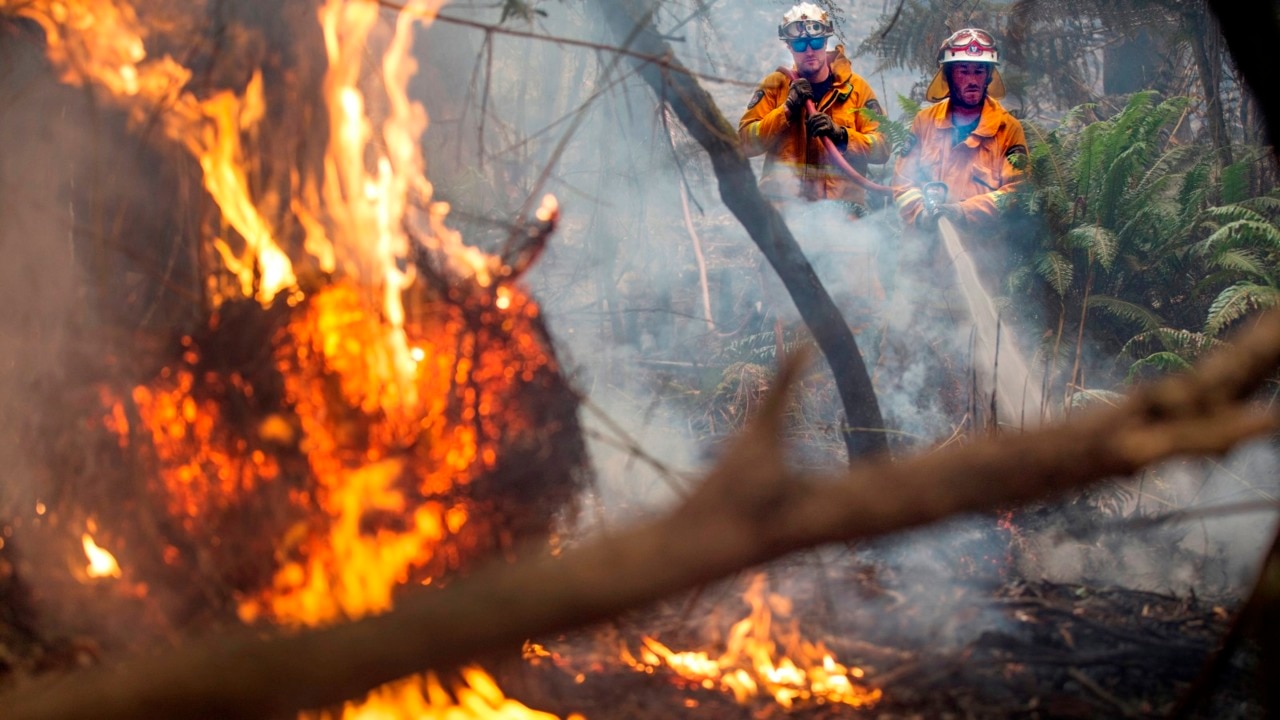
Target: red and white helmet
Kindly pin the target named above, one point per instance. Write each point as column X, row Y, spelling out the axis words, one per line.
column 805, row 20
column 966, row 45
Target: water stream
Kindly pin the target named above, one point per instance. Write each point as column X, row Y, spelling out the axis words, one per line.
column 999, row 364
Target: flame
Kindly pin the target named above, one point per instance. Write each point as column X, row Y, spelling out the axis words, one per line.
column 348, row 361
column 474, row 697
column 101, row 563
column 751, row 665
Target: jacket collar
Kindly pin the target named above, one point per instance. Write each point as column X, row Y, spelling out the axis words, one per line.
column 989, row 123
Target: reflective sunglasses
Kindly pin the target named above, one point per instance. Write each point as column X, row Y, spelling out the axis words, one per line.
column 801, row 28
column 802, row 44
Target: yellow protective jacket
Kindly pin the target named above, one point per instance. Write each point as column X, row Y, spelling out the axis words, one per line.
column 978, row 171
column 795, row 164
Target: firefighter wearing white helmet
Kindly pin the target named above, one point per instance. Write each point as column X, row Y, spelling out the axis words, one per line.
column 966, row 141
column 777, row 125
column 972, row 151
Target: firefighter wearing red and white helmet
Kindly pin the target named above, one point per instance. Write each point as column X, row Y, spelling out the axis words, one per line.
column 775, row 122
column 966, row 140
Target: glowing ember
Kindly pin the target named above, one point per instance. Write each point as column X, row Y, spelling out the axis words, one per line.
column 751, row 665
column 101, row 563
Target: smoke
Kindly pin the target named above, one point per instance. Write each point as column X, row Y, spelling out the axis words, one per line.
column 619, row 288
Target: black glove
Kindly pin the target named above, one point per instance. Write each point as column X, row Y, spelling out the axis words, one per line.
column 821, row 125
column 800, row 91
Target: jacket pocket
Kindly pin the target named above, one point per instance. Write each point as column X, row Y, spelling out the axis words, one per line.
column 985, row 177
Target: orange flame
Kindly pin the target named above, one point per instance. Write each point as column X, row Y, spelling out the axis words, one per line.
column 101, row 563
column 751, row 665
column 350, row 340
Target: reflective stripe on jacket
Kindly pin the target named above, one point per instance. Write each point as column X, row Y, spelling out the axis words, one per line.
column 796, row 164
column 977, row 170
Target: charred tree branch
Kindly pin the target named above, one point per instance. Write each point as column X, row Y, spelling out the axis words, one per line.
column 751, row 508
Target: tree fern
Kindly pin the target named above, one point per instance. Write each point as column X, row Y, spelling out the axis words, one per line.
column 1268, row 205
column 1248, row 233
column 1224, row 214
column 1186, row 343
column 1163, row 362
column 1098, row 241
column 1237, row 301
column 1242, row 262
column 1126, row 311
column 1056, row 270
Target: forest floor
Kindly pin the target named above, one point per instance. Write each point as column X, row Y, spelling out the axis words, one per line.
column 993, row 647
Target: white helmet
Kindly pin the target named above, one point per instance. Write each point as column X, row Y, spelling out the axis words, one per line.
column 805, row 20
column 966, row 45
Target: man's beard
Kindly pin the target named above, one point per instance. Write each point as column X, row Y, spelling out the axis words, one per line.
column 958, row 97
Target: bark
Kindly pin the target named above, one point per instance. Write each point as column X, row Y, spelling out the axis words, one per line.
column 1208, row 67
column 750, row 508
column 676, row 86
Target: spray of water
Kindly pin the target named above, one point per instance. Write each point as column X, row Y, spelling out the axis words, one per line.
column 1000, row 365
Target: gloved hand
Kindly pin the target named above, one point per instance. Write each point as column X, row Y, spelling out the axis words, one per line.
column 821, row 125
column 800, row 91
column 950, row 211
column 928, row 217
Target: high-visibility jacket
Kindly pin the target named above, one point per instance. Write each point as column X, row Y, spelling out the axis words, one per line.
column 978, row 171
column 795, row 164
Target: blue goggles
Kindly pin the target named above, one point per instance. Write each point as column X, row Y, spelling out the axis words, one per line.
column 811, row 43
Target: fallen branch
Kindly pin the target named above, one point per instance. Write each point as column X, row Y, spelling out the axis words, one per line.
column 751, row 508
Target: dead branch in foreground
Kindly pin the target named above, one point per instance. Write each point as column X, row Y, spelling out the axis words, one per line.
column 749, row 509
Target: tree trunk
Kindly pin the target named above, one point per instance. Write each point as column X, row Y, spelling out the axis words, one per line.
column 1209, row 66
column 863, row 432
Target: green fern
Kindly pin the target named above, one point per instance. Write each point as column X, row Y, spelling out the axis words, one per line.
column 1185, row 343
column 1056, row 270
column 1238, row 301
column 1098, row 241
column 1163, row 362
column 1126, row 311
column 1238, row 233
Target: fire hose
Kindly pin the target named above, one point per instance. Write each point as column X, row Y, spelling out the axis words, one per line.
column 837, row 157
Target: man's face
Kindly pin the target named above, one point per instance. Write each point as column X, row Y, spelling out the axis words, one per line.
column 968, row 82
column 811, row 62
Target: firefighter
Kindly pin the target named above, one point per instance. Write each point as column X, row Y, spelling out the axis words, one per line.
column 776, row 125
column 965, row 156
column 966, row 140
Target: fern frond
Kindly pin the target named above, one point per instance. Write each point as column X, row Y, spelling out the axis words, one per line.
column 1242, row 233
column 1124, row 310
column 1263, row 204
column 1056, row 269
column 1223, row 214
column 1242, row 261
column 1096, row 240
column 1164, row 362
column 1185, row 343
column 1238, row 301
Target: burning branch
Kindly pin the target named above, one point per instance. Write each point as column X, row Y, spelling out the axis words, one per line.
column 750, row 508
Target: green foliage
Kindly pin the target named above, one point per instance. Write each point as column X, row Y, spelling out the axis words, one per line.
column 1162, row 362
column 1237, row 301
column 1126, row 311
column 1145, row 235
